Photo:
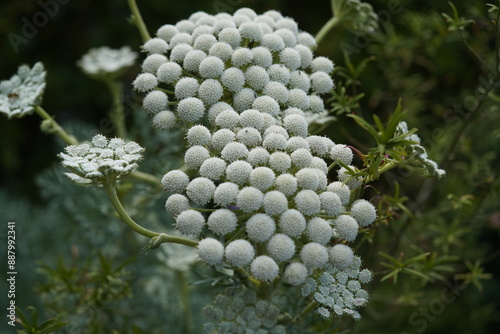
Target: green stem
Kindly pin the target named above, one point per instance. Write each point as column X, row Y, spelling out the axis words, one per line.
column 138, row 21
column 326, row 29
column 388, row 166
column 146, row 177
column 58, row 130
column 305, row 311
column 185, row 304
column 111, row 192
column 117, row 114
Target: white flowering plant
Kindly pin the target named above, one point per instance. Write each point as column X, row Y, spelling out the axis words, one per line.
column 269, row 205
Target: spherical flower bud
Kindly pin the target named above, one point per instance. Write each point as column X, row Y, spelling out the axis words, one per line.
column 243, row 99
column 288, row 24
column 175, row 181
column 306, row 39
column 179, row 52
column 301, row 158
column 318, row 145
column 210, row 91
column 222, row 222
column 145, row 82
column 192, row 60
column 305, row 54
column 266, row 104
column 345, row 176
column 233, row 79
column 262, row 178
column 316, row 104
column 169, row 72
column 292, row 223
column 331, row 203
column 256, row 77
column 166, row 32
column 264, row 268
column 227, row 119
column 341, row 152
column 346, row 227
column 195, row 156
column 319, row 231
column 258, row 156
column 297, row 98
column 274, row 142
column 297, row 143
column 287, row 36
column 181, row 38
column 186, row 87
column 276, row 129
column 341, row 256
column 226, row 193
column 364, row 212
column 322, row 179
column 190, row 222
column 296, row 125
column 252, row 118
column 231, row 36
column 202, row 30
column 155, row 101
column 286, row 183
column 281, row 247
column 314, row 255
column 185, row 26
column 249, row 199
column 280, row 162
column 221, row 50
column 221, row 138
column 211, row 251
column 164, row 120
column 190, row 109
column 238, row 172
column 290, row 58
column 262, row 56
column 176, row 204
column 307, row 202
column 322, row 64
column 211, row 67
column 153, row 62
column 249, row 136
column 273, row 42
column 200, row 190
column 240, row 19
column 279, row 73
column 307, row 178
column 241, row 57
column 321, row 82
column 299, row 80
column 198, row 135
column 213, row 168
column 155, row 45
column 260, row 227
column 277, row 91
column 239, row 253
column 204, row 42
column 219, row 25
column 319, row 164
column 295, row 274
column 365, row 276
column 208, row 20
column 234, row 151
column 275, row 202
column 341, row 190
column 251, row 30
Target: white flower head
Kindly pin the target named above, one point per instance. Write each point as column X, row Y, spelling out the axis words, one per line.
column 106, row 63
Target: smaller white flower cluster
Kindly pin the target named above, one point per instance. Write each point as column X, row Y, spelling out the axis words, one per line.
column 261, row 62
column 241, row 311
column 106, row 63
column 338, row 291
column 364, row 19
column 23, row 92
column 420, row 153
column 101, row 160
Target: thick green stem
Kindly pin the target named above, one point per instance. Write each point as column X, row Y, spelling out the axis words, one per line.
column 388, row 166
column 185, row 303
column 326, row 29
column 146, row 177
column 56, row 128
column 111, row 192
column 117, row 114
column 138, row 21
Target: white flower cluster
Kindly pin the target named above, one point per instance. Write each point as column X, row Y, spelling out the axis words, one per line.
column 362, row 16
column 276, row 215
column 260, row 62
column 23, row 92
column 101, row 160
column 420, row 153
column 104, row 62
column 242, row 313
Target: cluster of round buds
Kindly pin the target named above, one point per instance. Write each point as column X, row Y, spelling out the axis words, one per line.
column 262, row 62
column 243, row 312
column 101, row 160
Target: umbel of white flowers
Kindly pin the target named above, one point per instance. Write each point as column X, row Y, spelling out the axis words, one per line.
column 249, row 81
